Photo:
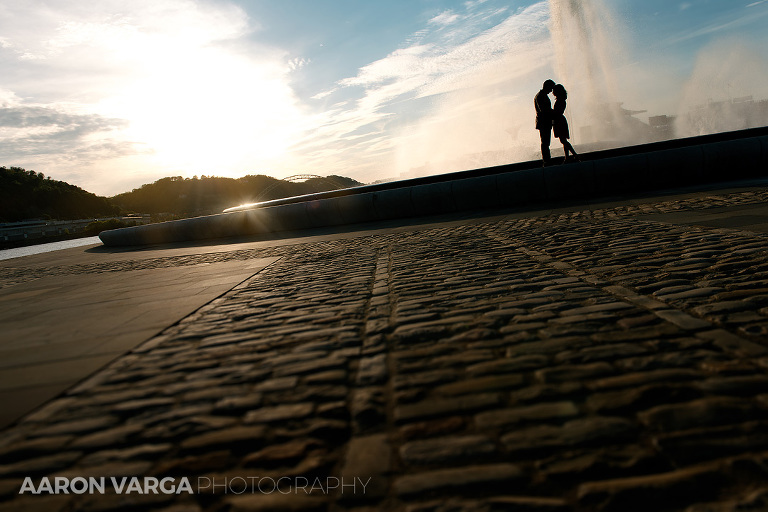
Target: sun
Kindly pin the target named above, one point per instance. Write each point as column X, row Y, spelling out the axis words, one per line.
column 205, row 109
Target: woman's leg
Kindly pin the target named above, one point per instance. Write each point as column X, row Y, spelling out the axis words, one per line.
column 567, row 147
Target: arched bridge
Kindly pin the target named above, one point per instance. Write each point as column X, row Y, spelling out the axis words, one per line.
column 300, row 178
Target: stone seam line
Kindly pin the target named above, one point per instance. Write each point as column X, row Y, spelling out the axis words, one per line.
column 666, row 312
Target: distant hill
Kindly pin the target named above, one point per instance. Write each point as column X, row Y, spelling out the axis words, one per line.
column 31, row 195
column 185, row 197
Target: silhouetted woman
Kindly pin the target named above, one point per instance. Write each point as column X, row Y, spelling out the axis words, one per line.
column 560, row 123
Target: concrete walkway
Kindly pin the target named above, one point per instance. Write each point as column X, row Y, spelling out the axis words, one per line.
column 593, row 357
column 57, row 329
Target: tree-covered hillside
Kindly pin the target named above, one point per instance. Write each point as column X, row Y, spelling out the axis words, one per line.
column 206, row 195
column 30, row 195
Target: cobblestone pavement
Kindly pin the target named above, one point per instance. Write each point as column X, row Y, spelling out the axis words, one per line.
column 588, row 361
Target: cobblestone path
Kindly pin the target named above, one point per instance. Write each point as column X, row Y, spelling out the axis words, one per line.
column 588, row 361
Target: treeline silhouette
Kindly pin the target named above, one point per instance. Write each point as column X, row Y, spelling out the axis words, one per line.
column 28, row 195
column 31, row 195
column 185, row 197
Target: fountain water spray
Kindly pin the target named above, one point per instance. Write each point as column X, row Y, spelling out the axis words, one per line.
column 588, row 49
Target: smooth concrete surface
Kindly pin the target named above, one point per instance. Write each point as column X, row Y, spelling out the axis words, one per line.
column 59, row 329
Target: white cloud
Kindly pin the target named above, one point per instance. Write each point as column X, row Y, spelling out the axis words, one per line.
column 445, row 18
column 192, row 95
column 450, row 83
column 297, row 63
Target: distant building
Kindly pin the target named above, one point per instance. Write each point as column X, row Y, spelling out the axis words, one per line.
column 662, row 127
column 722, row 116
column 616, row 126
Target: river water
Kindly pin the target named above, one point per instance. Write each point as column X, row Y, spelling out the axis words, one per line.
column 6, row 254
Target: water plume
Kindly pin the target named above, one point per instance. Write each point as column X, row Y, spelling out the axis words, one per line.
column 588, row 44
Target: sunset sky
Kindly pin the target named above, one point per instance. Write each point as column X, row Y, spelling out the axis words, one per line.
column 111, row 94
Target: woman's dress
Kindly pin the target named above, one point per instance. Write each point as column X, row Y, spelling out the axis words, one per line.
column 560, row 123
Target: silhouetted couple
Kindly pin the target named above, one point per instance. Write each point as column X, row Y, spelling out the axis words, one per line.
column 549, row 118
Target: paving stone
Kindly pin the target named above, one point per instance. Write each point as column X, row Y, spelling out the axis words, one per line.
column 643, row 333
column 601, row 353
column 521, row 327
column 40, row 465
column 279, row 413
column 634, row 322
column 239, row 437
column 311, row 366
column 274, row 502
column 597, row 308
column 277, row 455
column 675, row 489
column 440, row 426
column 703, row 412
column 54, row 503
column 277, row 384
column 641, row 378
column 746, row 385
column 485, row 475
column 567, row 373
column 551, row 411
column 719, row 308
column 696, row 292
column 550, row 346
column 599, row 430
column 445, row 407
column 683, row 320
column 588, row 464
column 636, row 399
column 425, row 378
column 368, row 458
column 480, row 384
column 110, row 437
column 547, row 392
column 508, row 365
column 238, row 404
column 527, row 504
column 81, row 426
column 710, row 443
column 148, row 451
column 29, row 448
column 447, row 450
column 732, row 343
column 367, row 408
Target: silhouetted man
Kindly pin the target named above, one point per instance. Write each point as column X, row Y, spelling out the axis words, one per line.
column 544, row 118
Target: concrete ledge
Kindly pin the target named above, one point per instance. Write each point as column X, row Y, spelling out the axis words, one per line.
column 356, row 208
column 764, row 144
column 569, row 181
column 432, row 199
column 655, row 166
column 675, row 167
column 479, row 193
column 393, row 204
column 286, row 218
column 620, row 174
column 522, row 187
column 322, row 212
column 742, row 156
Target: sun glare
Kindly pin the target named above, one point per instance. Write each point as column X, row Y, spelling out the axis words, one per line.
column 202, row 108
